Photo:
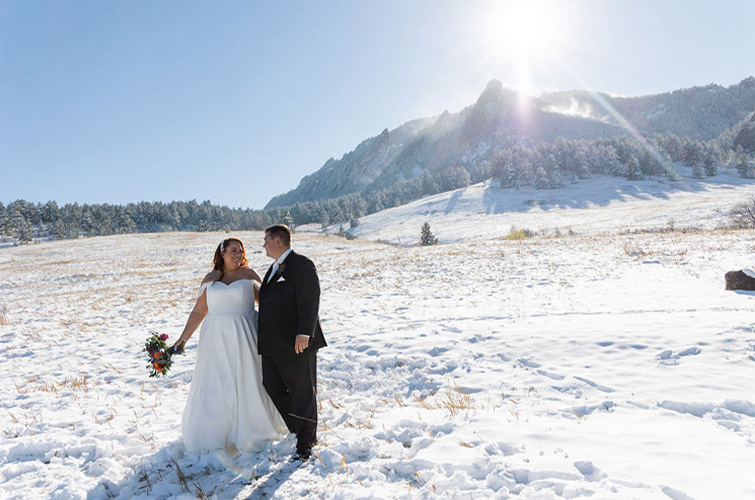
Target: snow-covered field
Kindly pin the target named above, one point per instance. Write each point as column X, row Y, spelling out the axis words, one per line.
column 593, row 365
column 601, row 205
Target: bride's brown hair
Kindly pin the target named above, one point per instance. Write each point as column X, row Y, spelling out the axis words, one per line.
column 217, row 261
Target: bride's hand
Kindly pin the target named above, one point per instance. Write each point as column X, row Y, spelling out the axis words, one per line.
column 178, row 347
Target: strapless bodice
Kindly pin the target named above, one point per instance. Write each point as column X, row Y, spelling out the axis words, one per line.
column 236, row 298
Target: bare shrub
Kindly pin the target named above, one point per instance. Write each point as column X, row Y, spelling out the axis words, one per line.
column 742, row 215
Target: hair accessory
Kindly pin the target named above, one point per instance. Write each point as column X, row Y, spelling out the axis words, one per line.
column 222, row 246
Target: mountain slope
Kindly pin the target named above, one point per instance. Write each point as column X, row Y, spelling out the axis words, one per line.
column 679, row 112
column 355, row 170
column 501, row 118
column 601, row 205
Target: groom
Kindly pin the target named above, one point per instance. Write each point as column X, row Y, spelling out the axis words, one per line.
column 289, row 336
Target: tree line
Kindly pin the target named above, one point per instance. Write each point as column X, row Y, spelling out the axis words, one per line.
column 23, row 221
column 543, row 165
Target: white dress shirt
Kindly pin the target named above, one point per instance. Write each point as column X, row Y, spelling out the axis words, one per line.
column 277, row 264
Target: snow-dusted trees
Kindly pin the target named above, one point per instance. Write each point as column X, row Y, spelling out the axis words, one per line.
column 547, row 164
column 22, row 220
column 454, row 177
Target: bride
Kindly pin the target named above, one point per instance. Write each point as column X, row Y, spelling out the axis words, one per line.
column 227, row 405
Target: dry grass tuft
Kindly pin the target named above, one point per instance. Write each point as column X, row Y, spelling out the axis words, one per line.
column 105, row 420
column 182, row 478
column 200, row 493
column 144, row 478
column 519, row 234
column 454, row 401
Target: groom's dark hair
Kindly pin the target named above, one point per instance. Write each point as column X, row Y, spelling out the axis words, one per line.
column 280, row 231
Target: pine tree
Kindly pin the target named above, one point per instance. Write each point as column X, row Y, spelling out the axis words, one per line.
column 427, row 237
column 633, row 169
column 3, row 221
column 710, row 163
column 556, row 179
column 22, row 227
column 323, row 218
column 698, row 172
column 744, row 165
column 126, row 224
column 286, row 219
column 87, row 224
column 59, row 229
column 541, row 179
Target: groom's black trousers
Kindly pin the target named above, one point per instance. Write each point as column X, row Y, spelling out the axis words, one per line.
column 291, row 383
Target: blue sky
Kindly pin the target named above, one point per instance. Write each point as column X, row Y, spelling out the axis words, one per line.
column 236, row 101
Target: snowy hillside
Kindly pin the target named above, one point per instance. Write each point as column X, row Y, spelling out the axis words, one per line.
column 601, row 205
column 602, row 366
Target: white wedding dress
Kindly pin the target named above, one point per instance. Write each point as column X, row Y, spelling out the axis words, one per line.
column 227, row 404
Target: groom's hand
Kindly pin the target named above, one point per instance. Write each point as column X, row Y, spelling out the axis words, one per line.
column 302, row 341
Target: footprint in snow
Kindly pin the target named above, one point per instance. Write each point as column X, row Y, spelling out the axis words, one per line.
column 437, row 350
column 597, row 386
column 583, row 411
column 528, row 363
column 668, row 357
column 551, row 376
column 675, row 494
column 589, row 471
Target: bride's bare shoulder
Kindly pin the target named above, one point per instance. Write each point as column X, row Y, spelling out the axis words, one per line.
column 250, row 273
column 212, row 276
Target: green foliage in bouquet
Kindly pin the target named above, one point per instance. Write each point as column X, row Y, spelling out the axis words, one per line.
column 159, row 354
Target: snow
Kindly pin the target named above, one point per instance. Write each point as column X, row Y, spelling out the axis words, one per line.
column 575, row 108
column 603, row 364
column 601, row 205
column 659, row 110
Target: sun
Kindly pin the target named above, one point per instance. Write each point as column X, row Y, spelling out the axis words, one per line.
column 523, row 34
column 523, row 26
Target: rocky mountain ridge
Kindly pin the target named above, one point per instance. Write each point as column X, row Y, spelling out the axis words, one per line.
column 502, row 118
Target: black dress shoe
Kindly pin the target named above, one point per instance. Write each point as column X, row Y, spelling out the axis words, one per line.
column 302, row 456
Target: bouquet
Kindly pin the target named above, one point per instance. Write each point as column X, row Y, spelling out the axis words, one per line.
column 159, row 354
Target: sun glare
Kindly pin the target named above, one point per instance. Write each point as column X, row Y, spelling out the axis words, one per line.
column 523, row 34
column 524, row 27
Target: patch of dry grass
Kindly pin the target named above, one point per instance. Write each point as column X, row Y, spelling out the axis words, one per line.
column 454, row 401
column 36, row 384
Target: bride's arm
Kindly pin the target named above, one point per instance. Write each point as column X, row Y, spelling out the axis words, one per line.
column 195, row 319
column 257, row 286
column 256, row 282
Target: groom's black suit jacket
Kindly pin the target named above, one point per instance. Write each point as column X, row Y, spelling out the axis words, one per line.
column 289, row 305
